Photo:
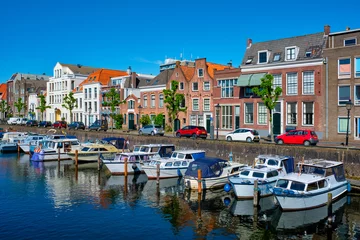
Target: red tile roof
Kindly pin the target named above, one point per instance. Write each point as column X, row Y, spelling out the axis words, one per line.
column 213, row 66
column 3, row 92
column 188, row 71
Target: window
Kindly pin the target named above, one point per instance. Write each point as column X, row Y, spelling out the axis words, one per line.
column 131, row 104
column 277, row 57
column 152, row 101
column 181, row 86
column 277, row 81
column 298, row 186
column 282, row 183
column 342, row 124
column 90, row 93
column 85, row 93
column 145, row 101
column 244, row 173
column 258, row 175
column 308, row 54
column 291, row 113
column 200, row 120
column 344, row 68
column 161, row 100
column 308, row 111
column 291, row 83
column 344, row 94
column 80, row 102
column 308, row 82
column 206, row 86
column 200, row 72
column 248, row 92
column 195, row 104
column 357, row 67
column 193, row 120
column 195, row 86
column 95, row 93
column 182, row 104
column 95, row 107
column 262, row 113
column 226, row 117
column 206, row 104
column 86, row 106
column 176, row 74
column 249, row 60
column 263, row 57
column 312, row 186
column 249, row 118
column 290, row 53
column 227, row 87
column 350, row 42
column 357, row 95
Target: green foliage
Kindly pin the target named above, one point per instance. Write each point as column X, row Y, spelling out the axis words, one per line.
column 168, row 128
column 173, row 101
column 4, row 108
column 145, row 120
column 20, row 105
column 159, row 119
column 119, row 120
column 69, row 103
column 269, row 95
column 113, row 98
column 42, row 106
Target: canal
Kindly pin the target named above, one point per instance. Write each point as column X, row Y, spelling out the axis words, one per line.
column 52, row 200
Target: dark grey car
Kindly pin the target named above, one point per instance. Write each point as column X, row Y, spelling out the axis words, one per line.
column 152, row 130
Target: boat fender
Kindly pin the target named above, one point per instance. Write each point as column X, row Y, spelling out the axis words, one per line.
column 227, row 201
column 134, row 166
column 179, row 172
column 227, row 187
column 349, row 187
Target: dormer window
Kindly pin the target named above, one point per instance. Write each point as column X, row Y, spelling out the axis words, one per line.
column 290, row 53
column 350, row 42
column 263, row 58
column 308, row 54
column 277, row 57
column 200, row 72
column 249, row 60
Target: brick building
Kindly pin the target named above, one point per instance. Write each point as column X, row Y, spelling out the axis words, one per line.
column 342, row 82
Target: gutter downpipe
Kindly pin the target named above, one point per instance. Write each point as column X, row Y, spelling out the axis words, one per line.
column 327, row 99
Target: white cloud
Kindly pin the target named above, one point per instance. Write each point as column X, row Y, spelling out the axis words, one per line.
column 144, row 60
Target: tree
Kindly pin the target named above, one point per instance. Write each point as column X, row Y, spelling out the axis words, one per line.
column 269, row 95
column 159, row 119
column 20, row 105
column 42, row 106
column 174, row 102
column 119, row 120
column 113, row 98
column 4, row 108
column 70, row 103
column 145, row 120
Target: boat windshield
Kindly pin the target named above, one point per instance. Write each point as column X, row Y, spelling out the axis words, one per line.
column 174, row 154
column 181, row 156
column 136, row 148
column 85, row 149
column 282, row 183
column 312, row 170
column 258, row 175
column 144, row 149
column 298, row 186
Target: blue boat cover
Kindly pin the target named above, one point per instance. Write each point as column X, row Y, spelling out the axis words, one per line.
column 210, row 167
column 119, row 143
column 289, row 165
column 198, row 155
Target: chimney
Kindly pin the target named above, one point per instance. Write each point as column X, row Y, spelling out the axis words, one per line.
column 347, row 28
column 249, row 42
column 230, row 64
column 129, row 70
column 133, row 80
column 327, row 30
column 177, row 64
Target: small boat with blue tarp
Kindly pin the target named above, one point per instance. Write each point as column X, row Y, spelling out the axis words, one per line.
column 214, row 172
column 267, row 169
column 309, row 187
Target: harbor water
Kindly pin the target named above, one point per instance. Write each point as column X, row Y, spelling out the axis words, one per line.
column 53, row 200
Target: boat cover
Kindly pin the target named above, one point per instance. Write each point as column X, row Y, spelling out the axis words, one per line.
column 210, row 167
column 198, row 155
column 289, row 165
column 119, row 143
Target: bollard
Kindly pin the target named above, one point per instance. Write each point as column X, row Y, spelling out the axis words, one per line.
column 126, row 167
column 256, row 194
column 58, row 154
column 157, row 173
column 199, row 181
column 329, row 207
column 76, row 157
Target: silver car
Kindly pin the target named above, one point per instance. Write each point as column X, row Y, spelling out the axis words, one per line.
column 151, row 130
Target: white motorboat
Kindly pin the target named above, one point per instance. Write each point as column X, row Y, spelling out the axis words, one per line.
column 163, row 150
column 267, row 169
column 172, row 167
column 10, row 141
column 49, row 149
column 214, row 172
column 30, row 140
column 309, row 187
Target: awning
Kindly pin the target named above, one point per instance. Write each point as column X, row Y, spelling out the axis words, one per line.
column 250, row 79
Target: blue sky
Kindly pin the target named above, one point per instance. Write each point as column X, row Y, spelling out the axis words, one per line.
column 34, row 35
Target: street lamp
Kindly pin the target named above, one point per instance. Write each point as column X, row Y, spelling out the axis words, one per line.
column 217, row 120
column 89, row 110
column 139, row 107
column 349, row 105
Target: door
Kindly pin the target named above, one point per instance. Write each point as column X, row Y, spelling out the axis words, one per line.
column 276, row 123
column 131, row 121
column 237, row 117
column 208, row 122
column 176, row 125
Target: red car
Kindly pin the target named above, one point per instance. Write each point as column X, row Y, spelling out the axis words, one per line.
column 59, row 124
column 305, row 137
column 192, row 131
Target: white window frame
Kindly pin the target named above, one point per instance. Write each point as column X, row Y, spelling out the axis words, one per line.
column 131, row 104
column 228, row 118
column 192, row 104
column 258, row 115
column 204, row 109
column 198, row 72
column 267, row 56
column 356, row 101
column 231, row 87
column 180, row 86
column 176, row 74
column 338, row 66
column 204, row 86
column 192, row 86
column 356, row 57
column 349, row 38
column 346, row 118
column 342, row 85
column 246, row 112
column 296, row 51
column 161, row 102
column 287, row 112
column 152, row 101
column 303, row 86
column 303, row 112
column 145, row 101
column 193, row 117
column 297, row 84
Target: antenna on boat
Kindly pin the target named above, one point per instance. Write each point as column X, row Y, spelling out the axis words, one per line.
column 301, row 165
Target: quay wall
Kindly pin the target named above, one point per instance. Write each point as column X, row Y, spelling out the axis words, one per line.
column 242, row 152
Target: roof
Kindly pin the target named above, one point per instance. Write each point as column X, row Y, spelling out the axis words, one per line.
column 79, row 69
column 189, row 151
column 28, row 76
column 3, row 91
column 344, row 32
column 188, row 72
column 273, row 156
column 304, row 177
column 161, row 79
column 313, row 43
column 213, row 66
column 321, row 163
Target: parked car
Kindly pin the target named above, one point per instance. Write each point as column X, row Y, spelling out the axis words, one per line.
column 44, row 124
column 152, row 130
column 99, row 125
column 76, row 125
column 21, row 121
column 31, row 123
column 192, row 131
column 12, row 120
column 59, row 124
column 305, row 137
column 243, row 134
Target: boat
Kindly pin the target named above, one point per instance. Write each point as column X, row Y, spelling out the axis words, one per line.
column 162, row 150
column 267, row 169
column 30, row 140
column 9, row 142
column 309, row 187
column 116, row 164
column 214, row 172
column 52, row 150
column 172, row 167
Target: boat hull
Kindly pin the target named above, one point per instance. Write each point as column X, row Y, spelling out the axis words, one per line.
column 207, row 183
column 118, row 168
column 25, row 148
column 8, row 147
column 43, row 157
column 246, row 190
column 85, row 158
column 151, row 172
column 295, row 202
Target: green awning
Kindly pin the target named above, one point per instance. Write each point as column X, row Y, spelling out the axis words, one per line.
column 250, row 79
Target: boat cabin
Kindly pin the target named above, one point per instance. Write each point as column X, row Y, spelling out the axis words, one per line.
column 64, row 144
column 188, row 154
column 132, row 157
column 164, row 150
column 284, row 163
column 259, row 172
column 14, row 137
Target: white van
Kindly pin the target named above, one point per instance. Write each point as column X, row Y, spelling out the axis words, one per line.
column 21, row 121
column 12, row 120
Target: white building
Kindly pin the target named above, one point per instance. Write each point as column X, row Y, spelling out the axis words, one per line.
column 66, row 78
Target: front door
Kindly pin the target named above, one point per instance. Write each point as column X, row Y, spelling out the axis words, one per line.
column 208, row 123
column 276, row 123
column 176, row 125
column 131, row 121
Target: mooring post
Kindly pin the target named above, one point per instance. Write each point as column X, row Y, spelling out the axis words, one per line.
column 256, row 194
column 126, row 167
column 99, row 162
column 58, row 154
column 18, row 151
column 157, row 173
column 199, row 181
column 76, row 157
column 329, row 207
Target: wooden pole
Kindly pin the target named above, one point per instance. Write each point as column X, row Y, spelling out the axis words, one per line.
column 58, row 154
column 157, row 173
column 256, row 194
column 329, row 207
column 199, row 181
column 76, row 157
column 126, row 167
column 99, row 161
